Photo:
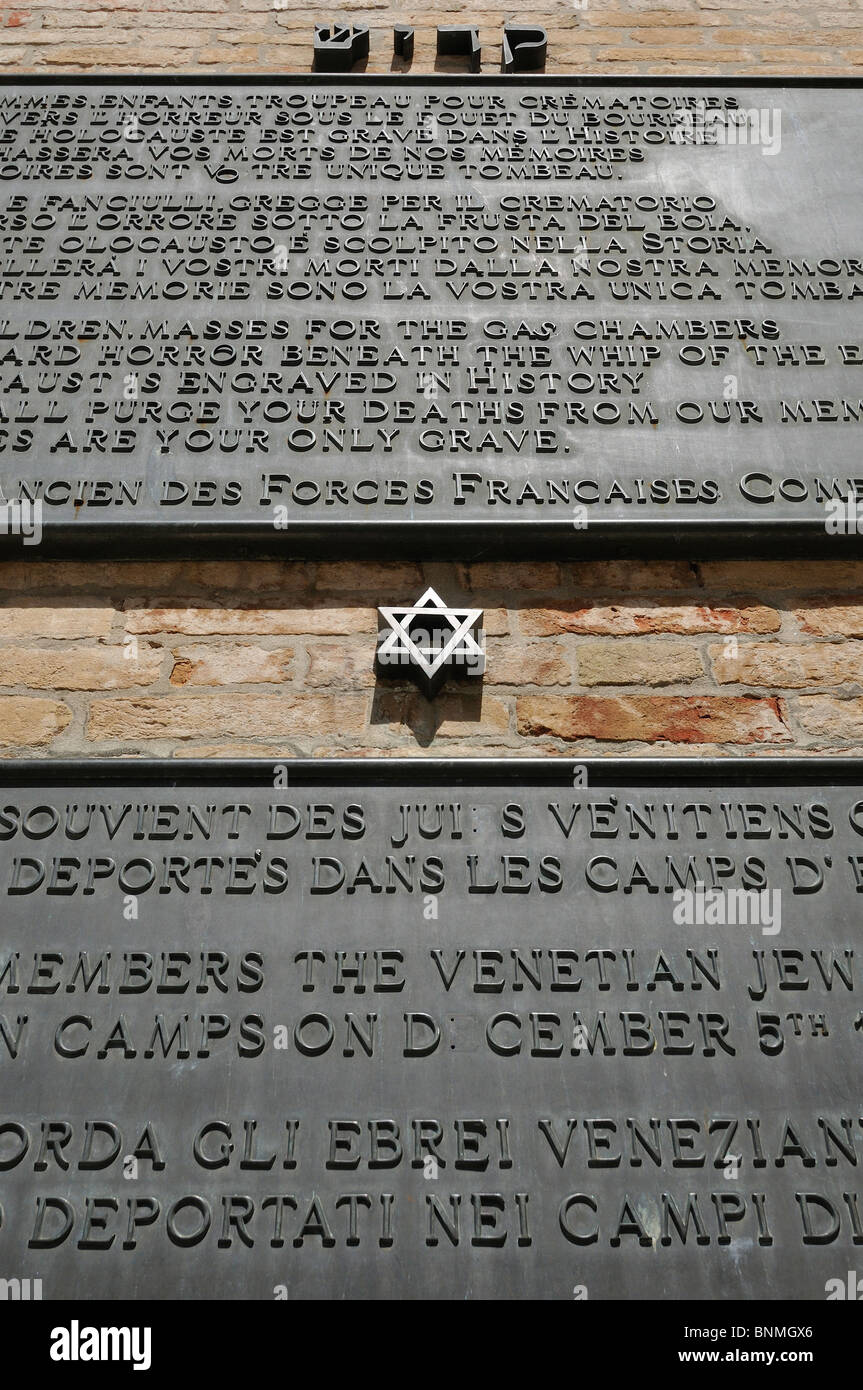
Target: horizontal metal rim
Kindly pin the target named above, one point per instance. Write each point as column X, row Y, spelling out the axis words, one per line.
column 530, row 79
column 555, row 770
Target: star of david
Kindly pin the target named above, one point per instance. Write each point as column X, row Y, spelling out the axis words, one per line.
column 426, row 639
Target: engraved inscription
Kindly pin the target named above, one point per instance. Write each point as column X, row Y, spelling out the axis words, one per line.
column 280, row 306
column 505, row 1033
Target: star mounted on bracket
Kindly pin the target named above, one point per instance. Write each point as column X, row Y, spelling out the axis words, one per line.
column 427, row 639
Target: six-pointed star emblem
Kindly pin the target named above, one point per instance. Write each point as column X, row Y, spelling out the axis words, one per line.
column 425, row 639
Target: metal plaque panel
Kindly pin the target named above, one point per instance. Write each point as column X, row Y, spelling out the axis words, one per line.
column 433, row 315
column 431, row 1029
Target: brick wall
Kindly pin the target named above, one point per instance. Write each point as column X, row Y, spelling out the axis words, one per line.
column 824, row 36
column 206, row 658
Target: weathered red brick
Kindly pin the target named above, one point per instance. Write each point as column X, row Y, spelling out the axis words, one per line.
column 200, row 716
column 231, row 663
column 250, row 621
column 650, row 718
column 638, row 661
column 621, row 619
column 789, row 666
column 31, row 722
column 82, row 668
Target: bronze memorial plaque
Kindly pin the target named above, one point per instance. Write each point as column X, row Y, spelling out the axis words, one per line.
column 300, row 313
column 431, row 1029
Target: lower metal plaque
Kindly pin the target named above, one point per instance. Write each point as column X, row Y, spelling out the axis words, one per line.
column 430, row 1029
